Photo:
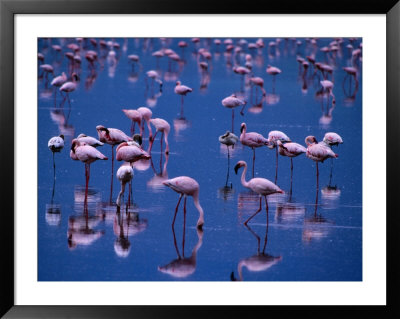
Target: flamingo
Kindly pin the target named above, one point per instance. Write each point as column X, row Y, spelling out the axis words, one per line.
column 111, row 136
column 331, row 139
column 291, row 150
column 228, row 139
column 273, row 137
column 163, row 127
column 186, row 186
column 261, row 186
column 152, row 74
column 89, row 140
column 182, row 90
column 231, row 102
column 57, row 82
column 146, row 115
column 259, row 82
column 124, row 175
column 86, row 154
column 318, row 152
column 272, row 70
column 130, row 152
column 56, row 144
column 136, row 117
column 69, row 86
column 252, row 140
column 243, row 71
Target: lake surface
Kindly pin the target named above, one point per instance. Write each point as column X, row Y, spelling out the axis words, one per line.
column 312, row 235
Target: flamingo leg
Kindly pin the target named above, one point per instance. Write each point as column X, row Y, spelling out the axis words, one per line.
column 87, row 175
column 54, row 168
column 184, row 227
column 254, row 158
column 266, row 231
column 259, row 209
column 227, row 173
column 233, row 118
column 161, row 142
column 176, row 210
column 112, row 172
column 276, row 166
column 291, row 177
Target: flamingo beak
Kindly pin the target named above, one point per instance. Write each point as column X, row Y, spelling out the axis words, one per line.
column 237, row 168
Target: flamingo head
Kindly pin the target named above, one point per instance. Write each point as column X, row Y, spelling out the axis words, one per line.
column 239, row 165
column 74, row 144
column 242, row 127
column 101, row 128
column 178, row 83
column 75, row 77
column 137, row 138
column 311, row 140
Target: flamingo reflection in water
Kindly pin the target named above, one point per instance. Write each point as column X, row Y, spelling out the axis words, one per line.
column 156, row 182
column 258, row 262
column 183, row 267
column 125, row 226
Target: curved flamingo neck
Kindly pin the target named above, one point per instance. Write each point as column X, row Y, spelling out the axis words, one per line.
column 200, row 221
column 243, row 178
column 240, row 272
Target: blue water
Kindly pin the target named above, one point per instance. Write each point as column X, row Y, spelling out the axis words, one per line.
column 304, row 242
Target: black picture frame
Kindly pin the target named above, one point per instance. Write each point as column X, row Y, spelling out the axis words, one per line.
column 8, row 8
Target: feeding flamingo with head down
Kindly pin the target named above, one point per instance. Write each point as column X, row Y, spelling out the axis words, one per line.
column 136, row 117
column 163, row 127
column 186, row 186
column 261, row 186
column 146, row 115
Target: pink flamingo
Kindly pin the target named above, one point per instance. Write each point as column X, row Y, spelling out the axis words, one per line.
column 130, row 152
column 318, row 152
column 252, row 140
column 182, row 90
column 259, row 82
column 69, row 86
column 272, row 70
column 146, row 115
column 231, row 102
column 186, row 186
column 111, row 136
column 86, row 154
column 124, row 175
column 261, row 186
column 57, row 82
column 243, row 71
column 291, row 150
column 273, row 137
column 89, row 140
column 163, row 127
column 136, row 117
column 55, row 144
column 152, row 74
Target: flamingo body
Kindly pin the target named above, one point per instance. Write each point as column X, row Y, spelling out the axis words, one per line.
column 182, row 89
column 56, row 143
column 130, row 153
column 251, row 139
column 111, row 136
column 89, row 140
column 291, row 149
